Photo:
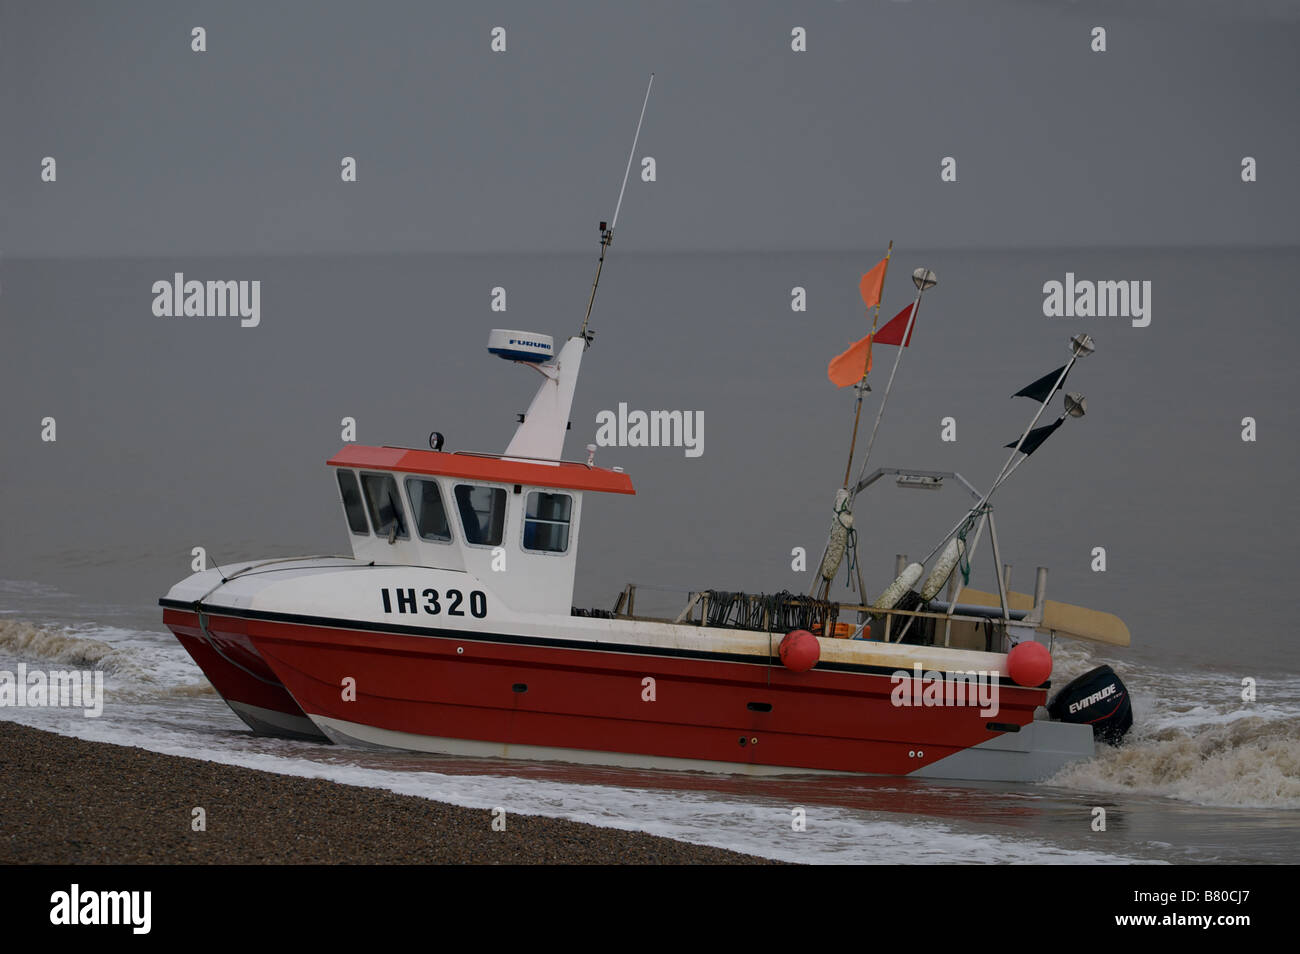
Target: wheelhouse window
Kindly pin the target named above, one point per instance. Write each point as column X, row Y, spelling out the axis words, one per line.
column 482, row 513
column 352, row 505
column 546, row 522
column 384, row 504
column 426, row 507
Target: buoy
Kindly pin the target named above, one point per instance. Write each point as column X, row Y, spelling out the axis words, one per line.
column 894, row 592
column 841, row 524
column 1029, row 664
column 943, row 568
column 800, row 650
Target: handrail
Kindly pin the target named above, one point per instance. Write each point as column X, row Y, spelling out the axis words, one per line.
column 464, row 453
column 543, row 460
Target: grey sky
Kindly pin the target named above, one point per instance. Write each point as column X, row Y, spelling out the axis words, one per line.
column 162, row 150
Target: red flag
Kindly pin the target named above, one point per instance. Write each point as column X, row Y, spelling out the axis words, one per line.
column 871, row 283
column 892, row 333
column 851, row 366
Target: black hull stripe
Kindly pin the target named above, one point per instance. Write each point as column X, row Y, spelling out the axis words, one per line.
column 330, row 622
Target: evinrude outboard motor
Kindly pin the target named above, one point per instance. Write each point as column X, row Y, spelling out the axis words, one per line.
column 1097, row 698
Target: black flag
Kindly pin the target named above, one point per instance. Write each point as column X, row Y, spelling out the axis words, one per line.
column 1036, row 437
column 1042, row 389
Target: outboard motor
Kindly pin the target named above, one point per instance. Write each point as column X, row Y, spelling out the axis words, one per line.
column 1097, row 698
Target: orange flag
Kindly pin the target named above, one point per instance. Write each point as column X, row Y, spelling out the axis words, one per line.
column 851, row 366
column 871, row 283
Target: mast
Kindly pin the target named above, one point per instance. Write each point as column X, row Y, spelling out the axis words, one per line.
column 607, row 232
column 541, row 431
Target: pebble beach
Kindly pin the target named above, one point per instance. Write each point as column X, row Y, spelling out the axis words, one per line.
column 68, row 801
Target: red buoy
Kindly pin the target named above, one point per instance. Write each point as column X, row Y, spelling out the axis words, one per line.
column 1029, row 663
column 800, row 650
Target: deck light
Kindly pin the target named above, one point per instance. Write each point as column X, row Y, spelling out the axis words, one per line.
column 920, row 482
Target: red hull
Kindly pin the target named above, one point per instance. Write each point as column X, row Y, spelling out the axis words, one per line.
column 238, row 672
column 557, row 697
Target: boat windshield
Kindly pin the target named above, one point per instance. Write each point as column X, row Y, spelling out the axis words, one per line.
column 352, row 505
column 482, row 513
column 385, row 506
column 426, row 504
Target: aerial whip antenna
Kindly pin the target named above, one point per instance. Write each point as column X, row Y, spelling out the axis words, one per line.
column 607, row 232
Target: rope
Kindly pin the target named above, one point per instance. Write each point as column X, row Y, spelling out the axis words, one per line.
column 963, row 558
column 851, row 551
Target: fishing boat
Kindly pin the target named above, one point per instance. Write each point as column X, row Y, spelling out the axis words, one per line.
column 451, row 627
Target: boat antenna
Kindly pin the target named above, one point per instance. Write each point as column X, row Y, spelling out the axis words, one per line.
column 607, row 231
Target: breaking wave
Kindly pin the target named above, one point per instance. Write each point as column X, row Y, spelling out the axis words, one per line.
column 1250, row 762
column 1195, row 739
column 141, row 663
column 61, row 645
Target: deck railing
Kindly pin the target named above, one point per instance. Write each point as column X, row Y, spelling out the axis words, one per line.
column 889, row 625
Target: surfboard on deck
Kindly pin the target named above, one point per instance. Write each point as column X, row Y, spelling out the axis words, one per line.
column 1064, row 619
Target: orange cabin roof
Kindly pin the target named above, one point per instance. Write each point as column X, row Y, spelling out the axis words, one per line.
column 568, row 476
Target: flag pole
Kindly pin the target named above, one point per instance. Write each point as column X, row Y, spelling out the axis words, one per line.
column 820, row 582
column 923, row 278
column 861, row 386
column 926, row 280
column 1079, row 346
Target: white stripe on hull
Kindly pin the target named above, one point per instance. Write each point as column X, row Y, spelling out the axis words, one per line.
column 270, row 722
column 352, row 733
column 1038, row 751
